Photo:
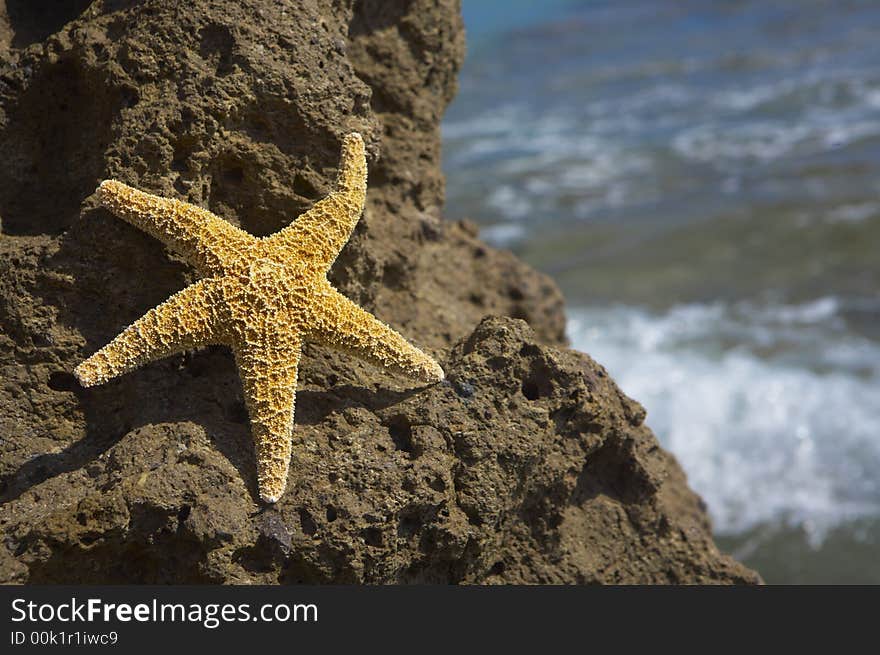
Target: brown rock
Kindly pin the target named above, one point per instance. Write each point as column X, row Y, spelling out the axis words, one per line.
column 528, row 466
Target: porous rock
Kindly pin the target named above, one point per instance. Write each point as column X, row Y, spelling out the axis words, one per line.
column 528, row 465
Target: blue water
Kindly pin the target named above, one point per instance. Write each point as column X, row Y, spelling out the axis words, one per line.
column 703, row 180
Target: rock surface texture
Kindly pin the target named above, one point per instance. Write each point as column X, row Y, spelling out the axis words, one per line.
column 527, row 465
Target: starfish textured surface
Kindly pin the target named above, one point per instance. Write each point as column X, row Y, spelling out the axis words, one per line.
column 263, row 297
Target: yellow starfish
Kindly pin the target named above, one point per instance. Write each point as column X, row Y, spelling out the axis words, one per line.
column 263, row 297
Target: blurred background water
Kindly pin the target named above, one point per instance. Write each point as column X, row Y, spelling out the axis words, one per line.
column 702, row 178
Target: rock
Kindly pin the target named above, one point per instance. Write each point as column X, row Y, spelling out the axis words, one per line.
column 529, row 465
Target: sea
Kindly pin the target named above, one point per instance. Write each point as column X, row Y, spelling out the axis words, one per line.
column 702, row 179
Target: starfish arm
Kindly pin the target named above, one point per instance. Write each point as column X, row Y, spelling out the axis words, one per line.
column 206, row 241
column 320, row 233
column 341, row 324
column 268, row 369
column 186, row 320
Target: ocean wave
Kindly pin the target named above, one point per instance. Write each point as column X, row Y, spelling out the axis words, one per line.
column 830, row 108
column 772, row 412
column 518, row 163
column 503, row 235
column 552, row 160
column 854, row 213
column 768, row 141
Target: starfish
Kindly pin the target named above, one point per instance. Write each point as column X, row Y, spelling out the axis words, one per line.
column 263, row 297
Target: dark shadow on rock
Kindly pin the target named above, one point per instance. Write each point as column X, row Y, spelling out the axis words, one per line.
column 614, row 471
column 32, row 21
column 206, row 393
column 54, row 143
column 375, row 15
column 313, row 407
column 117, row 274
column 104, row 297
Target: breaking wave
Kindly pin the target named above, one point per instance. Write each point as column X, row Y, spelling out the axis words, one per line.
column 772, row 421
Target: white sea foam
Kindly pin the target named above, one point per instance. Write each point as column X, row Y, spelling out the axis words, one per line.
column 822, row 124
column 710, row 142
column 745, row 99
column 603, row 141
column 538, row 161
column 854, row 213
column 512, row 203
column 773, row 421
column 503, row 235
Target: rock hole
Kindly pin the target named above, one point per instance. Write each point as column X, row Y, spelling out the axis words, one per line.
column 537, row 383
column 179, row 162
column 410, row 523
column 183, row 513
column 372, row 536
column 307, row 522
column 63, row 381
column 216, row 47
column 496, row 363
column 130, row 96
column 331, row 514
column 400, row 431
column 530, row 390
